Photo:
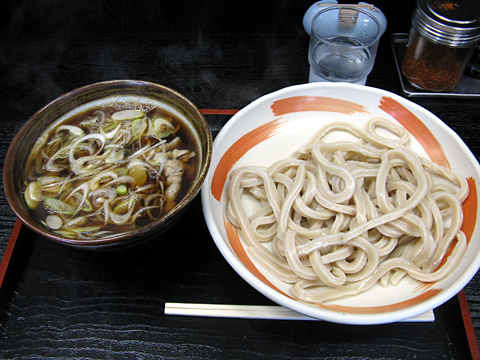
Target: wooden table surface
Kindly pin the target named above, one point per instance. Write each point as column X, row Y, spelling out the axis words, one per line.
column 58, row 302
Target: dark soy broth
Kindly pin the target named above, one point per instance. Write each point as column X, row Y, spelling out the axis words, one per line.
column 188, row 143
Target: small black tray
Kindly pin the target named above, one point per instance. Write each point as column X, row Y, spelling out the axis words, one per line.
column 468, row 87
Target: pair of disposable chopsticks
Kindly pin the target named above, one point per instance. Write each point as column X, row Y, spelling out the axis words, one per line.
column 255, row 312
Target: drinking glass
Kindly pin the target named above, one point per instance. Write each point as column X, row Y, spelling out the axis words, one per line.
column 343, row 44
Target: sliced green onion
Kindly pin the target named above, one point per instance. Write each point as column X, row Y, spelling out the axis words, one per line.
column 94, row 136
column 83, row 164
column 59, row 206
column 111, row 126
column 75, row 130
column 116, row 156
column 61, row 154
column 53, row 184
column 111, row 131
column 87, row 206
column 67, row 234
column 162, row 127
column 121, row 207
column 39, row 164
column 139, row 126
column 84, row 188
column 86, row 229
column 121, row 171
column 54, row 222
column 121, row 189
column 122, row 218
column 127, row 115
column 102, row 176
column 32, row 195
column 48, row 180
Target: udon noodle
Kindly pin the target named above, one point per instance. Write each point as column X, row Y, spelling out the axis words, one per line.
column 337, row 217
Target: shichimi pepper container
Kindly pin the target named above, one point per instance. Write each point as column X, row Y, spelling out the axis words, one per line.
column 443, row 36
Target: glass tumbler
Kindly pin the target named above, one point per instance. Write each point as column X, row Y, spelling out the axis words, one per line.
column 343, row 44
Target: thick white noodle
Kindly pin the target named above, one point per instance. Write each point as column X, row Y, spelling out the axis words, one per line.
column 337, row 217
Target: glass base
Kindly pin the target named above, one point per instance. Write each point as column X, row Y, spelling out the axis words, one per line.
column 314, row 77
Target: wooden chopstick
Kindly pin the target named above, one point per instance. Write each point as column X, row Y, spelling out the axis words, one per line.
column 255, row 312
column 365, row 6
column 347, row 15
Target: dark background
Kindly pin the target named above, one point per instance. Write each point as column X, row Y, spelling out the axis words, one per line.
column 36, row 38
column 65, row 17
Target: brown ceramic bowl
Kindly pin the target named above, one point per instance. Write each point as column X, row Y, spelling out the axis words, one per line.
column 70, row 103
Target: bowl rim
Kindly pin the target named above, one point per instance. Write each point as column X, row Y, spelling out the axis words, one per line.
column 23, row 214
column 315, row 312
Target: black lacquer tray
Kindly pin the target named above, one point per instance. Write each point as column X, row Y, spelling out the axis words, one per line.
column 60, row 302
column 468, row 87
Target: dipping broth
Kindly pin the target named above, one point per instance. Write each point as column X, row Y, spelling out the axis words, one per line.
column 106, row 170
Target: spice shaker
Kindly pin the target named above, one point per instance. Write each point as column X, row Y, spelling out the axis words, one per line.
column 443, row 36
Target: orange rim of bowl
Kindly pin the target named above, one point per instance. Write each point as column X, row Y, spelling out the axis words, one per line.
column 321, row 103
